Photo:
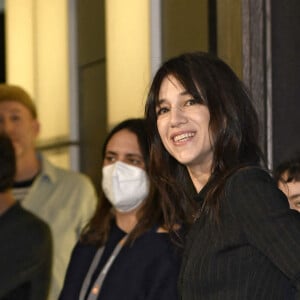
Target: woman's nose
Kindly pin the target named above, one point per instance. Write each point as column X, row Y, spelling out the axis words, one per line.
column 178, row 117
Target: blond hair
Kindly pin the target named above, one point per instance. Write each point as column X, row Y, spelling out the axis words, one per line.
column 15, row 93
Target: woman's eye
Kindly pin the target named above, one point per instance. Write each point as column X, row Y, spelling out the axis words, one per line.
column 191, row 102
column 135, row 162
column 110, row 158
column 161, row 111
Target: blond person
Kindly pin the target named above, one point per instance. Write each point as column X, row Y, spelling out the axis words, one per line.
column 26, row 244
column 63, row 198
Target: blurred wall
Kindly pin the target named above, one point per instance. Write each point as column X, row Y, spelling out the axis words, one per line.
column 91, row 69
column 285, row 78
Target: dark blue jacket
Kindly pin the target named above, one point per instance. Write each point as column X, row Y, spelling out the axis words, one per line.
column 146, row 270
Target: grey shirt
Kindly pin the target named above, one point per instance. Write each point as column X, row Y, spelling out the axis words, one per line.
column 65, row 200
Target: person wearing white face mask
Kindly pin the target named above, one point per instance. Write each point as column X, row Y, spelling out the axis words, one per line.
column 125, row 252
column 125, row 186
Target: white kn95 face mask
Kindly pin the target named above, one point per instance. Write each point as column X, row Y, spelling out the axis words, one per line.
column 125, row 186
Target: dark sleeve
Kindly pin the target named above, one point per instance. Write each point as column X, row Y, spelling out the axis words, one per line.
column 26, row 268
column 79, row 264
column 266, row 219
column 41, row 272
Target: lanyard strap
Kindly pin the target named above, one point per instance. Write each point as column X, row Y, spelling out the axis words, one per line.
column 95, row 289
column 90, row 273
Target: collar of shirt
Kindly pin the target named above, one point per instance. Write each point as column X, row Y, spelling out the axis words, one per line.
column 48, row 171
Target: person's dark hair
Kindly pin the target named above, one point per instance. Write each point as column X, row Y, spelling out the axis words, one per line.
column 7, row 163
column 233, row 125
column 290, row 168
column 97, row 230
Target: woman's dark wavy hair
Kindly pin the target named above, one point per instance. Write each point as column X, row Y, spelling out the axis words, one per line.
column 233, row 125
column 98, row 228
column 7, row 163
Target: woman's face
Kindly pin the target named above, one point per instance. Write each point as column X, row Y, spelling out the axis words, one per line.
column 183, row 125
column 123, row 146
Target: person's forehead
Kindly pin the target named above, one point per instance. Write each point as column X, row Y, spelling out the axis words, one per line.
column 124, row 140
column 294, row 185
column 284, row 175
column 290, row 188
column 14, row 105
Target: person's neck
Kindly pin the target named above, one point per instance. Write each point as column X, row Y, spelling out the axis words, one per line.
column 126, row 221
column 27, row 167
column 6, row 201
column 199, row 177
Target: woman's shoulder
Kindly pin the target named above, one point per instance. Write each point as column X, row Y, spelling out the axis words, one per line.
column 83, row 252
column 250, row 188
column 159, row 241
column 153, row 251
column 249, row 174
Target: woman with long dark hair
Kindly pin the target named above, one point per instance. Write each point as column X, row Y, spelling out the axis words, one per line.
column 125, row 252
column 244, row 241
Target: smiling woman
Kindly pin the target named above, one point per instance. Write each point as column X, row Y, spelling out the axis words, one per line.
column 183, row 125
column 203, row 130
